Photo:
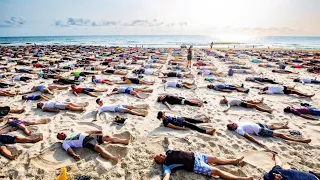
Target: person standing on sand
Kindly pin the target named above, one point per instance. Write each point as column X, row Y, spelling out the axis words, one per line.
column 195, row 162
column 189, row 57
column 211, row 45
column 90, row 140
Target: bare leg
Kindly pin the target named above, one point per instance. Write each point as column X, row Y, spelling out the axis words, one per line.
column 100, row 90
column 91, row 94
column 228, row 176
column 74, row 108
column 48, row 91
column 136, row 113
column 301, row 94
column 136, row 107
column 187, row 87
column 25, row 129
column 116, row 140
column 44, row 97
column 187, row 83
column 18, row 111
column 143, row 90
column 223, row 161
column 77, row 105
column 275, row 126
column 133, row 93
column 259, row 108
column 106, row 154
column 255, row 102
column 5, row 151
column 45, row 121
column 20, row 139
column 282, row 136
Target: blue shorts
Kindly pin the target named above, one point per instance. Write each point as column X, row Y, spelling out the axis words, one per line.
column 265, row 131
column 314, row 111
column 201, row 165
column 87, row 90
column 179, row 85
column 224, row 86
column 121, row 108
column 128, row 90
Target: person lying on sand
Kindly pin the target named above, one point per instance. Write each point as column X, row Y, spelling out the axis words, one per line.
column 123, row 67
column 45, row 89
column 56, row 106
column 101, row 81
column 16, row 124
column 183, row 123
column 212, row 79
column 176, row 74
column 209, row 73
column 78, row 73
column 177, row 67
column 35, row 97
column 94, row 68
column 9, row 139
column 195, row 162
column 120, row 108
column 239, row 71
column 283, row 71
column 154, row 66
column 112, row 71
column 145, row 71
column 306, row 80
column 10, row 110
column 279, row 89
column 90, row 140
column 22, row 78
column 238, row 67
column 302, row 111
column 207, row 68
column 29, row 71
column 65, row 81
column 177, row 84
column 228, row 88
column 49, row 76
column 277, row 173
column 261, row 80
column 170, row 99
column 126, row 80
column 247, row 129
column 130, row 90
column 244, row 103
column 75, row 90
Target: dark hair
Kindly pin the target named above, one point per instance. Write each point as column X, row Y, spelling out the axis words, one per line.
column 229, row 126
column 296, row 80
column 38, row 105
column 287, row 109
column 98, row 100
column 158, row 99
column 24, row 97
column 159, row 115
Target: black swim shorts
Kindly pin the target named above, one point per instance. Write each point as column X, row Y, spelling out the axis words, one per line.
column 91, row 141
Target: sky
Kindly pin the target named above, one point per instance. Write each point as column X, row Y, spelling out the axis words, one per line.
column 155, row 17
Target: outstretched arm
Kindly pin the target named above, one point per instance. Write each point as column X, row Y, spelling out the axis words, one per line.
column 228, row 108
column 75, row 93
column 167, row 177
column 258, row 82
column 114, row 92
column 50, row 110
column 97, row 116
column 247, row 136
column 94, row 132
column 167, row 105
column 176, row 127
column 308, row 117
column 73, row 154
column 277, row 160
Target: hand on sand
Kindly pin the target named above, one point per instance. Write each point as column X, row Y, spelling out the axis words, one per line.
column 77, row 157
column 239, row 161
column 117, row 159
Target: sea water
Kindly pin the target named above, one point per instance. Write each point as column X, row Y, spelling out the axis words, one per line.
column 288, row 42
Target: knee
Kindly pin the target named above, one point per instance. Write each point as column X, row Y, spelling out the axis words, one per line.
column 215, row 171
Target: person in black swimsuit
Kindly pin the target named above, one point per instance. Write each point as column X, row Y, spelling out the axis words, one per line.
column 112, row 71
column 126, row 80
column 260, row 80
column 169, row 99
column 64, row 81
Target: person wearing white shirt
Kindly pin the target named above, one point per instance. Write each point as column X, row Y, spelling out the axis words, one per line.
column 178, row 84
column 90, row 140
column 247, row 129
column 120, row 108
column 243, row 103
column 306, row 80
column 279, row 89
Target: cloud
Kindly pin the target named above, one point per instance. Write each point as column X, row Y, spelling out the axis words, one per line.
column 13, row 22
column 83, row 22
column 139, row 22
column 177, row 24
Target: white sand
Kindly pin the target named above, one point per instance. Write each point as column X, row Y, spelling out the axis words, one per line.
column 43, row 160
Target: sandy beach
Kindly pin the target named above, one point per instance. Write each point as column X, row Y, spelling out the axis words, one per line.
column 43, row 160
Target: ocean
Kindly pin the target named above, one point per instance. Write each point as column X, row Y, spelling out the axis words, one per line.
column 286, row 42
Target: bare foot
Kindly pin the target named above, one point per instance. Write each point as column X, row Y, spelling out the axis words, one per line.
column 262, row 99
column 211, row 132
column 40, row 138
column 46, row 121
column 307, row 141
column 127, row 141
column 206, row 120
column 145, row 114
column 117, row 159
column 238, row 160
column 21, row 110
column 29, row 134
column 146, row 107
column 86, row 104
column 286, row 125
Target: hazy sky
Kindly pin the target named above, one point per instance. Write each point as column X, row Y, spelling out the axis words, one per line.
column 194, row 17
